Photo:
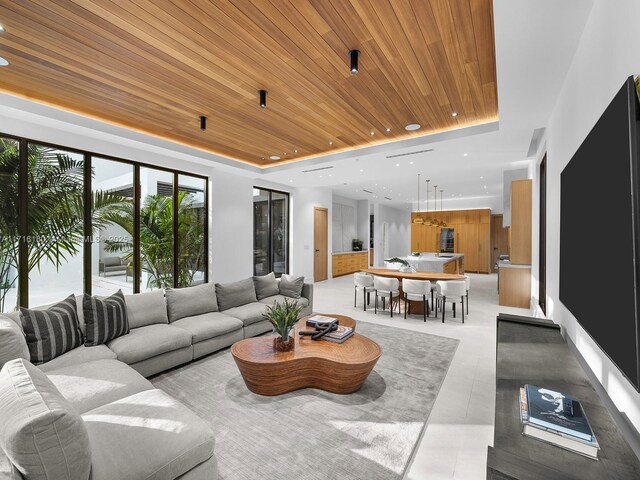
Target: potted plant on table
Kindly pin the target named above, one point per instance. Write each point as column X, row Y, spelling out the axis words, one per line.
column 283, row 317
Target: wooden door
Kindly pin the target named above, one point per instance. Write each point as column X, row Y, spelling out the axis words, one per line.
column 466, row 239
column 499, row 240
column 521, row 222
column 320, row 241
column 484, row 247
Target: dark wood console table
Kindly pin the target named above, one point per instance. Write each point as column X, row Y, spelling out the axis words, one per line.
column 532, row 351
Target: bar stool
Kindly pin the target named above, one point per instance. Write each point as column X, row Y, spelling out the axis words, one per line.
column 452, row 291
column 387, row 287
column 416, row 290
column 362, row 281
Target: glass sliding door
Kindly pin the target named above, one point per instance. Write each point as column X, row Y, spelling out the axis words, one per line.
column 113, row 228
column 55, row 217
column 156, row 229
column 9, row 170
column 271, row 232
column 191, row 235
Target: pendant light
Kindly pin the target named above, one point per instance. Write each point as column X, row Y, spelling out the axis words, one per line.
column 442, row 223
column 353, row 56
column 418, row 218
column 203, row 123
column 263, row 98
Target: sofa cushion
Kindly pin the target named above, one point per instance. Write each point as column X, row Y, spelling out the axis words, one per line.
column 208, row 325
column 188, row 301
column 291, row 286
column 53, row 331
column 79, row 356
column 266, row 285
column 146, row 309
column 93, row 384
column 12, row 341
column 41, row 433
column 112, row 261
column 146, row 436
column 235, row 294
column 149, row 341
column 281, row 298
column 105, row 318
column 249, row 313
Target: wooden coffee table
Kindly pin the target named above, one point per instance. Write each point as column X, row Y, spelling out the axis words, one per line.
column 334, row 367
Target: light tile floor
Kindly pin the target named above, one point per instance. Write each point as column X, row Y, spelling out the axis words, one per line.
column 460, row 427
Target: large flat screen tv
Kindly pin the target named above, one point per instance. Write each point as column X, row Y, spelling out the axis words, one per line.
column 599, row 236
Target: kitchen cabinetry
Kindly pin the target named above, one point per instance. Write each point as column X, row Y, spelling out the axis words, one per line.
column 350, row 262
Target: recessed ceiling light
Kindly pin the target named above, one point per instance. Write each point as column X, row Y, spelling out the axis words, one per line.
column 388, row 130
column 481, row 177
column 412, row 126
column 331, row 174
column 465, row 154
column 295, row 151
column 361, row 170
column 290, row 181
column 410, row 163
column 375, row 184
column 274, row 157
column 320, row 176
column 1, row 29
column 285, row 153
column 261, row 158
column 372, row 132
column 384, row 188
column 484, row 186
column 454, row 114
column 397, row 164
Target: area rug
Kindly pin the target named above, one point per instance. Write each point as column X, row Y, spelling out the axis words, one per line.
column 314, row 435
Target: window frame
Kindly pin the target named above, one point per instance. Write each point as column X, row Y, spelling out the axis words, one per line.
column 271, row 191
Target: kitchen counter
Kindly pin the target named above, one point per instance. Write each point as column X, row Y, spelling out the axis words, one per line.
column 430, row 262
column 508, row 264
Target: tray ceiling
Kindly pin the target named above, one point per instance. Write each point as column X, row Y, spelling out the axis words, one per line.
column 156, row 66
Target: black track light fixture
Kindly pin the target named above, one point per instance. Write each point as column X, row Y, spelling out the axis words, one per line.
column 203, row 123
column 263, row 98
column 354, row 56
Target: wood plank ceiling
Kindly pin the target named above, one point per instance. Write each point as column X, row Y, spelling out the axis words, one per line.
column 157, row 65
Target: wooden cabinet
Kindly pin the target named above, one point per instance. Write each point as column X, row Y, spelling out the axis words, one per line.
column 472, row 233
column 515, row 286
column 345, row 263
column 520, row 229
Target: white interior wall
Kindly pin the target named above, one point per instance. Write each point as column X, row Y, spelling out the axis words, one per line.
column 399, row 232
column 362, row 220
column 302, row 251
column 605, row 57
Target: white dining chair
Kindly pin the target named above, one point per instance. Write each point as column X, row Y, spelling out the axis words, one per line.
column 452, row 291
column 387, row 287
column 417, row 291
column 362, row 282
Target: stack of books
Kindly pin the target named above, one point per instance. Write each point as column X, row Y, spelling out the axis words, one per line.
column 342, row 334
column 557, row 419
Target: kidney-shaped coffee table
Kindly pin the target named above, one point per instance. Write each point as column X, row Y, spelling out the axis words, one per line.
column 334, row 367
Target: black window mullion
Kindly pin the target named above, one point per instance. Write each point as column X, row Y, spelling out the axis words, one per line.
column 176, row 246
column 88, row 227
column 23, row 225
column 206, row 230
column 270, row 229
column 137, row 194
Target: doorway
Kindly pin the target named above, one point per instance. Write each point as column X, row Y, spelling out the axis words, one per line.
column 542, row 266
column 320, row 243
column 499, row 240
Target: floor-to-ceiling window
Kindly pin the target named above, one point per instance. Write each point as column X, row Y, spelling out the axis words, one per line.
column 112, row 266
column 74, row 222
column 271, row 232
column 55, row 213
column 9, row 204
column 192, row 230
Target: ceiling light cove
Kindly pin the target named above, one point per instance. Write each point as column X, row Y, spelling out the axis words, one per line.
column 412, row 126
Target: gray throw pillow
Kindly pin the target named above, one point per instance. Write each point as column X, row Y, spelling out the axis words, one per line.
column 235, row 294
column 51, row 332
column 291, row 286
column 266, row 286
column 189, row 301
column 146, row 308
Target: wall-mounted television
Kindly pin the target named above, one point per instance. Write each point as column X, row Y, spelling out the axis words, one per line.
column 599, row 233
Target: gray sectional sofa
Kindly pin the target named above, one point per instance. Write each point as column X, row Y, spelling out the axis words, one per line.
column 128, row 426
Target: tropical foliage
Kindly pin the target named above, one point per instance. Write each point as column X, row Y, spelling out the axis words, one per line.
column 156, row 238
column 55, row 209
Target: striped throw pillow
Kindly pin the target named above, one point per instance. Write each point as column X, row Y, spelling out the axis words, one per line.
column 51, row 332
column 105, row 319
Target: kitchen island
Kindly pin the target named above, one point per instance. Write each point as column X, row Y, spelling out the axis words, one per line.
column 432, row 262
